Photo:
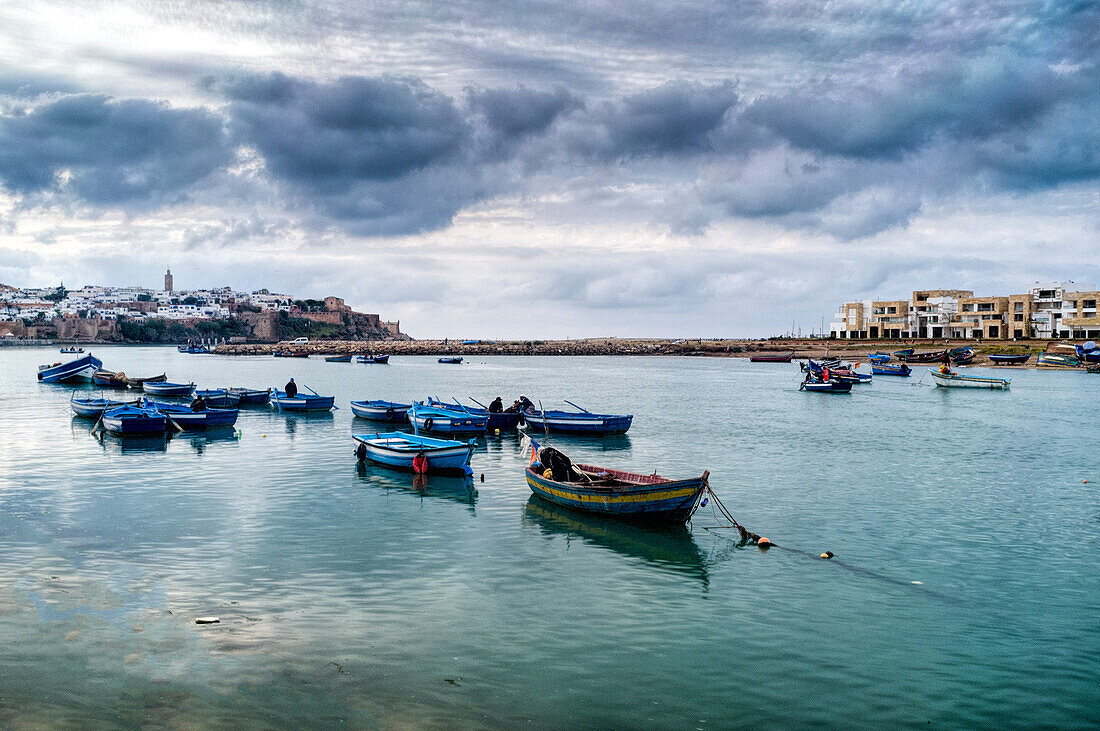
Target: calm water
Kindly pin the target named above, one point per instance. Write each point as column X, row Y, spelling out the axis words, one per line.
column 347, row 597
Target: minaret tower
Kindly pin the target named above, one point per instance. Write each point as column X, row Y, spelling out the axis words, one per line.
column 168, row 281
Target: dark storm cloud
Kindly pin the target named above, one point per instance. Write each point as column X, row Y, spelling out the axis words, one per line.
column 109, row 152
column 522, row 112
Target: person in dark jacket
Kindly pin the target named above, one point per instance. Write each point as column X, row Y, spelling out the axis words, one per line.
column 291, row 388
column 525, row 403
column 497, row 406
column 199, row 404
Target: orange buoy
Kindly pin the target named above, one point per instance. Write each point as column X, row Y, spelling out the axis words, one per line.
column 827, row 555
column 764, row 542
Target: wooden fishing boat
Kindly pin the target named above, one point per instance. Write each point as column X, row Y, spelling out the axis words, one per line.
column 884, row 369
column 107, row 379
column 252, row 396
column 927, row 357
column 193, row 349
column 961, row 356
column 182, row 415
column 1093, row 368
column 497, row 419
column 139, row 382
column 338, row 358
column 399, row 450
column 218, row 398
column 291, row 354
column 93, row 408
column 166, row 388
column 69, row 351
column 954, row 380
column 452, row 360
column 379, row 410
column 126, row 420
column 879, row 358
column 446, row 421
column 848, row 375
column 825, row 386
column 302, row 401
column 772, row 357
column 577, row 422
column 1010, row 359
column 903, row 353
column 1057, row 360
column 616, row 493
column 373, row 359
column 811, row 365
column 81, row 369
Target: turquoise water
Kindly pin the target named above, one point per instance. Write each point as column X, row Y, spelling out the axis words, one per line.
column 347, row 596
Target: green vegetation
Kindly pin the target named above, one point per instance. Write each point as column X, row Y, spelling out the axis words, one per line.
column 310, row 305
column 57, row 295
column 291, row 327
column 166, row 331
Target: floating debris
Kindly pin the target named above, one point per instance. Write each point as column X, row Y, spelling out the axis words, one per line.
column 207, row 620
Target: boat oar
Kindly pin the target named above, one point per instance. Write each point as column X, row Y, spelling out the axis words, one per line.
column 173, row 423
column 575, row 406
column 479, row 403
column 545, row 425
column 460, row 404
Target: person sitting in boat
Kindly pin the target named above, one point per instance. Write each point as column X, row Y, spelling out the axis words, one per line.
column 514, row 408
column 946, row 370
column 497, row 405
column 291, row 388
column 199, row 404
column 525, row 403
column 824, row 375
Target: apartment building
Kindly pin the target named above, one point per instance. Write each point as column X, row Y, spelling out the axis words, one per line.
column 1046, row 310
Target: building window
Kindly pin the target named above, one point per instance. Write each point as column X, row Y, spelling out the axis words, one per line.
column 1017, row 318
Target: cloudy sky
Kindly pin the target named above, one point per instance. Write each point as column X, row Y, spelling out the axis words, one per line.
column 546, row 169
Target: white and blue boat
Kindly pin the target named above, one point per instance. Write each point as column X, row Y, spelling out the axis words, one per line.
column 302, row 401
column 373, row 359
column 452, row 360
column 93, row 408
column 577, row 422
column 900, row 369
column 185, row 418
column 398, row 450
column 80, row 369
column 167, row 388
column 126, row 420
column 497, row 419
column 446, row 421
column 879, row 358
column 252, row 396
column 218, row 398
column 379, row 410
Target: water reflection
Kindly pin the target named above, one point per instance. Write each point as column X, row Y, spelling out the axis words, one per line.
column 305, row 420
column 200, row 440
column 133, row 444
column 456, row 489
column 566, row 442
column 667, row 547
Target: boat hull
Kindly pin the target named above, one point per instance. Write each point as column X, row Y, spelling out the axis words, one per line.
column 1054, row 360
column 578, row 423
column 93, row 408
column 781, row 358
column 373, row 359
column 338, row 359
column 164, row 388
column 496, row 419
column 669, row 502
column 886, row 370
column 398, row 450
column 193, row 420
column 451, row 361
column 129, row 420
column 387, row 411
column 221, row 398
column 441, row 421
column 957, row 381
column 302, row 402
column 107, row 379
column 81, row 369
column 830, row 387
column 252, row 396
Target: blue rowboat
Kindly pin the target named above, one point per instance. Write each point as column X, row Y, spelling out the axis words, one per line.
column 614, row 493
column 497, row 419
column 338, row 358
column 81, row 369
column 373, row 359
column 901, row 369
column 398, row 450
column 826, row 386
column 93, row 408
column 1010, row 359
column 577, row 422
column 218, row 398
column 446, row 421
column 167, row 388
column 455, row 360
column 879, row 358
column 189, row 420
column 126, row 420
column 252, row 396
column 378, row 410
column 302, row 401
column 291, row 354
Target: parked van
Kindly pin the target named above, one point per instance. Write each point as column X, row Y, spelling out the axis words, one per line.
column 299, row 341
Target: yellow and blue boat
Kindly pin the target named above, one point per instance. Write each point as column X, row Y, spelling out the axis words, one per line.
column 613, row 493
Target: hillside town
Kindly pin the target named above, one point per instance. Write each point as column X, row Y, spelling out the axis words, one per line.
column 95, row 312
